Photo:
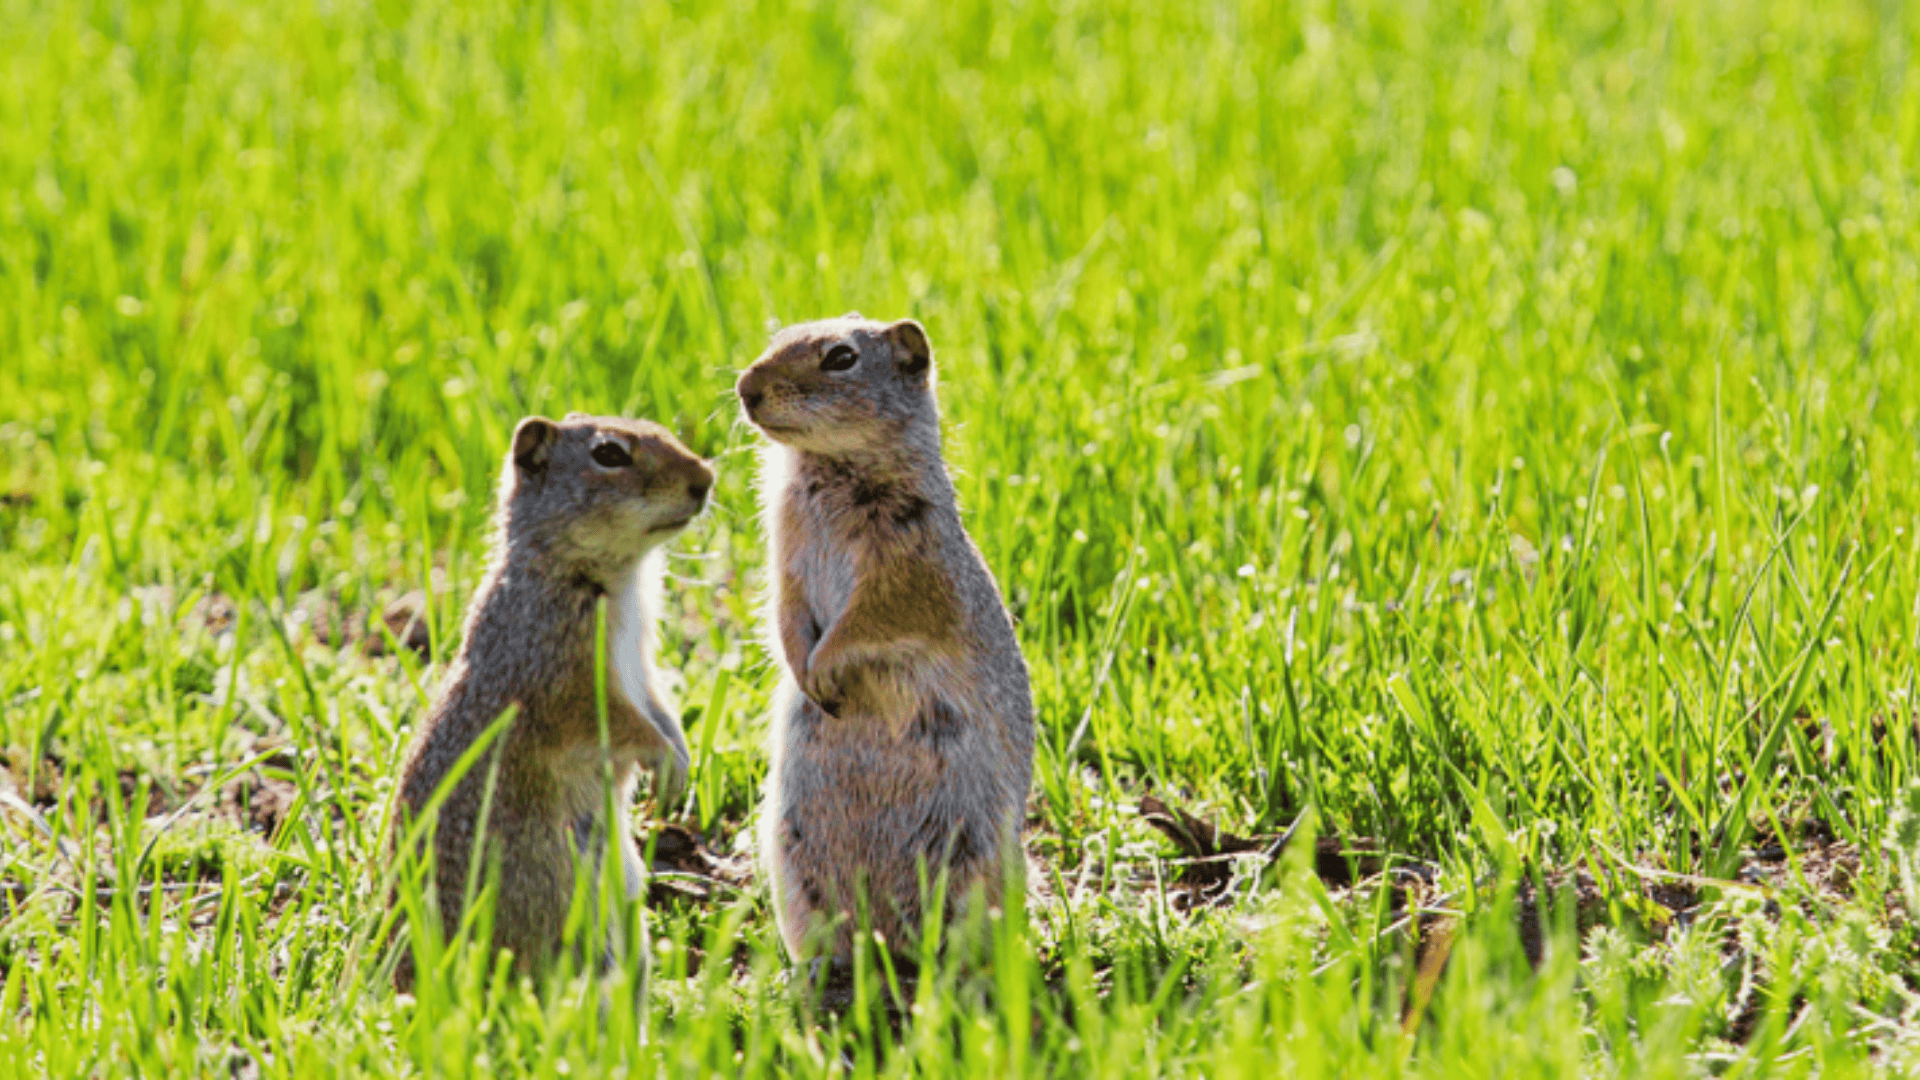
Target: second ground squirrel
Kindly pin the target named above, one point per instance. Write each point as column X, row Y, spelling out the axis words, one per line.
column 902, row 741
column 584, row 507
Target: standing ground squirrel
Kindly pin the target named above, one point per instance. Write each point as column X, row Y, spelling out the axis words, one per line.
column 584, row 506
column 902, row 740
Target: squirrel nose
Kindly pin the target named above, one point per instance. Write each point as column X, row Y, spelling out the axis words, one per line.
column 699, row 480
column 749, row 389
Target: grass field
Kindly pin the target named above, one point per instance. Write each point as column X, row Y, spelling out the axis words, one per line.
column 1483, row 434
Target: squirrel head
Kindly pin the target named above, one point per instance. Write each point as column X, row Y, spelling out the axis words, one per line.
column 596, row 493
column 844, row 385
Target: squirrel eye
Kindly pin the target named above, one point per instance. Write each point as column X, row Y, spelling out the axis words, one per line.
column 612, row 455
column 839, row 358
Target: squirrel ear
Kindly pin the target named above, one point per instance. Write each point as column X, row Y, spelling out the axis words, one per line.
column 910, row 338
column 579, row 416
column 853, row 315
column 533, row 443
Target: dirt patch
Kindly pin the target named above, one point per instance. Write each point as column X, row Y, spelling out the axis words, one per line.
column 41, row 789
column 257, row 803
column 1205, row 869
column 686, row 870
column 329, row 623
column 406, row 619
column 1537, row 908
column 315, row 615
column 161, row 796
column 1825, row 863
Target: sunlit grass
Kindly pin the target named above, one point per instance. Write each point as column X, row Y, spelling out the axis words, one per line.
column 1491, row 426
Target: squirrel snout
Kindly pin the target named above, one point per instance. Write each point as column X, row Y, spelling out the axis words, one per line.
column 699, row 481
column 749, row 390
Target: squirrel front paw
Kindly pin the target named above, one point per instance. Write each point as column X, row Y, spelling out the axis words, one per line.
column 822, row 685
column 823, row 688
column 671, row 768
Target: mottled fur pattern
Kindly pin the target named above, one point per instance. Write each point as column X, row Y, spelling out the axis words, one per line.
column 902, row 741
column 583, row 508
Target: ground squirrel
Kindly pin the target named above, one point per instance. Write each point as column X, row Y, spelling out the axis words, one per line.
column 584, row 506
column 902, row 739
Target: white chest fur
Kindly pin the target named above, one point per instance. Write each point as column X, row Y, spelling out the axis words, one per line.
column 826, row 577
column 658, row 744
column 817, row 563
column 630, row 626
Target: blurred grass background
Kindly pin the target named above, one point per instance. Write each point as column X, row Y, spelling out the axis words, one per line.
column 1490, row 424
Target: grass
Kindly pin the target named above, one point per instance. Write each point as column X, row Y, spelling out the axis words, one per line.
column 1490, row 426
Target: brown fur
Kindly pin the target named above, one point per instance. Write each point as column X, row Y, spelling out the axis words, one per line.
column 569, row 532
column 903, row 737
